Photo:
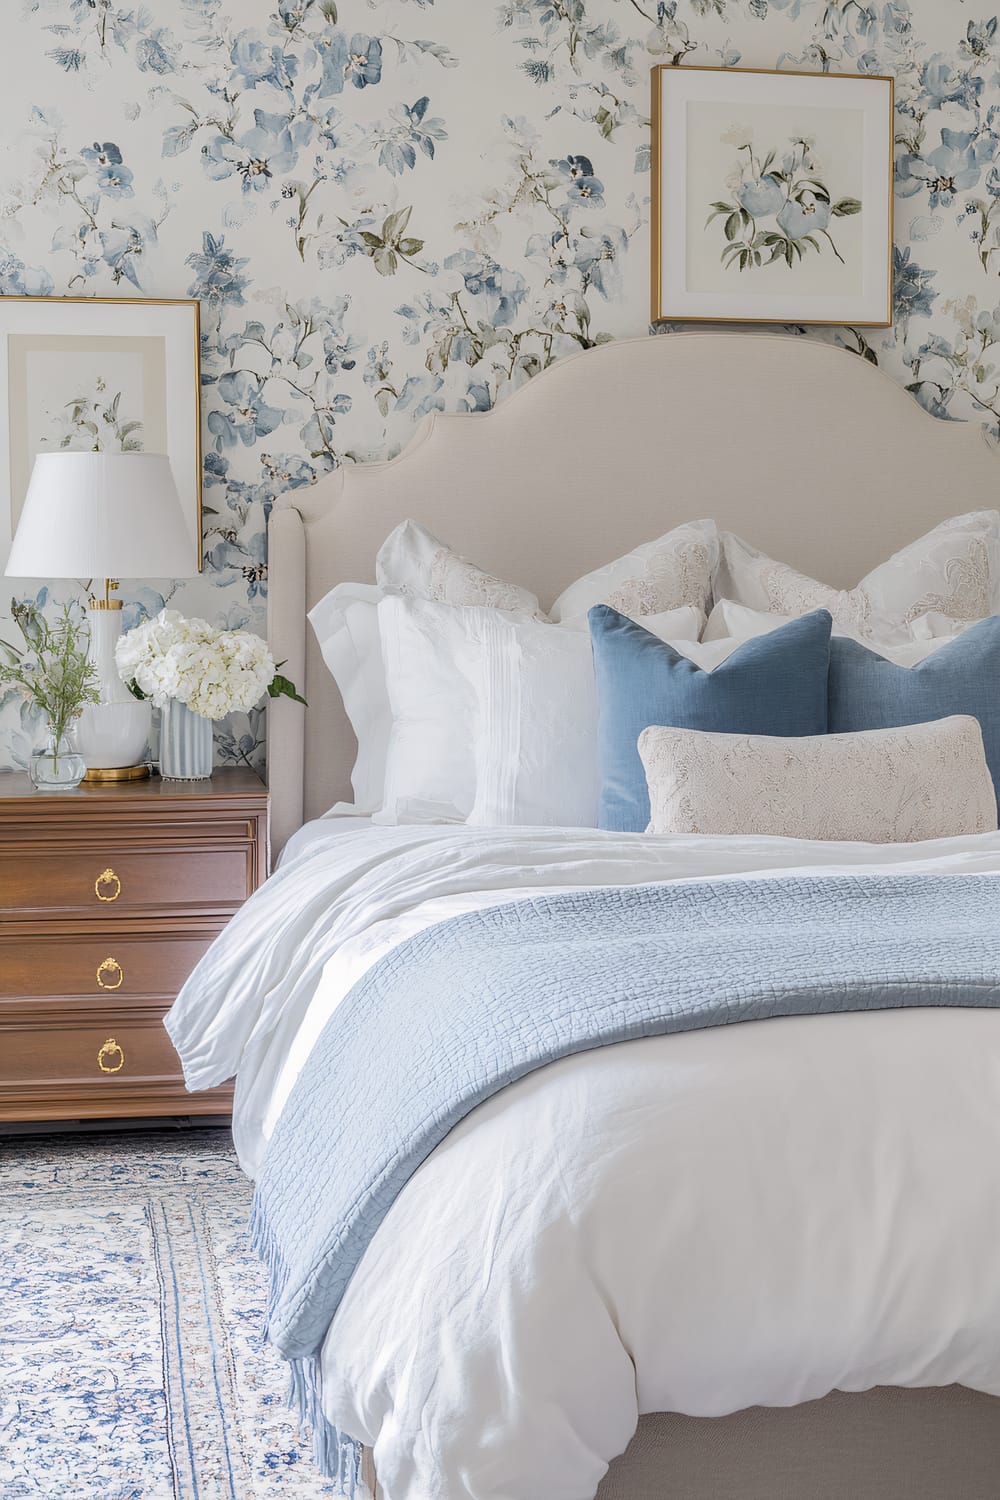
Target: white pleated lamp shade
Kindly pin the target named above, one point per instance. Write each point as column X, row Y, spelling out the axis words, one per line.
column 102, row 515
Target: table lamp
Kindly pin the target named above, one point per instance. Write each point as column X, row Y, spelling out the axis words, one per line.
column 109, row 515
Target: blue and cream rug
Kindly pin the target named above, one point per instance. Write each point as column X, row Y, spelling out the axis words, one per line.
column 131, row 1363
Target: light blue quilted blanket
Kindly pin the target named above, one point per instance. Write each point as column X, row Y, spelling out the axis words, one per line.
column 461, row 1010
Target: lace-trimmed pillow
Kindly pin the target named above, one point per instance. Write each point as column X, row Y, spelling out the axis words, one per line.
column 412, row 562
column 675, row 570
column 954, row 570
column 880, row 786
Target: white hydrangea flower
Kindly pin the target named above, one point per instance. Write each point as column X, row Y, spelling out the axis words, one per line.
column 215, row 672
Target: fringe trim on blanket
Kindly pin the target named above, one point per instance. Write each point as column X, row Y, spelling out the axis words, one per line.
column 336, row 1455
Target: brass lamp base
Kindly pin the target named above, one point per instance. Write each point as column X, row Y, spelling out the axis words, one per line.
column 116, row 773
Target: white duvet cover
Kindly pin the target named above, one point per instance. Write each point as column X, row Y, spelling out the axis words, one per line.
column 698, row 1223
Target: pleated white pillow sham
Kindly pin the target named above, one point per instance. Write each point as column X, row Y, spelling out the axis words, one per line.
column 877, row 786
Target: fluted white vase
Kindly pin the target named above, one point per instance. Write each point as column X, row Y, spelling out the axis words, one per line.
column 185, row 743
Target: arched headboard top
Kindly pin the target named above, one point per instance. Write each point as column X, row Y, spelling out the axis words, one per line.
column 808, row 451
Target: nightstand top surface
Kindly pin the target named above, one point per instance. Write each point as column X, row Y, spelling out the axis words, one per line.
column 225, row 782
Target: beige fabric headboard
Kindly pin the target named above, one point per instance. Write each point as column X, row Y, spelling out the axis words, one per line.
column 804, row 449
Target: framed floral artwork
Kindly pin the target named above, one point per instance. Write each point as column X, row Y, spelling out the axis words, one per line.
column 91, row 374
column 772, row 196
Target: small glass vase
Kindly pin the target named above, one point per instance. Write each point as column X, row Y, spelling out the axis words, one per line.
column 185, row 743
column 58, row 766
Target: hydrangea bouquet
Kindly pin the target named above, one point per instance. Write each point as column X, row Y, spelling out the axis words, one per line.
column 213, row 672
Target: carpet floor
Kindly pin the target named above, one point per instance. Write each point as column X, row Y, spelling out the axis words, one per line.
column 131, row 1363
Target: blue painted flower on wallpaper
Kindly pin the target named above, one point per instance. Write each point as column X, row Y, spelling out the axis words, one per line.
column 142, row 603
column 942, row 83
column 219, row 281
column 259, row 154
column 19, row 280
column 501, row 292
column 980, row 37
column 121, row 249
column 934, row 398
column 583, row 186
column 249, row 416
column 255, row 62
column 422, row 394
column 245, row 557
column 357, row 61
column 288, row 471
column 955, row 166
column 598, row 258
column 912, row 293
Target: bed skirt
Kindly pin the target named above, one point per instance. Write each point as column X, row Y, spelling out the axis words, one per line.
column 884, row 1444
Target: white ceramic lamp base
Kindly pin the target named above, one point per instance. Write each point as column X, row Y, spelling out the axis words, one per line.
column 113, row 734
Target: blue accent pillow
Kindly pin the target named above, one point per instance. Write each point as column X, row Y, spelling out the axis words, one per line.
column 868, row 692
column 773, row 684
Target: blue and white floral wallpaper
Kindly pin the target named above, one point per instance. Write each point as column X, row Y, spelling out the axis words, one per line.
column 390, row 206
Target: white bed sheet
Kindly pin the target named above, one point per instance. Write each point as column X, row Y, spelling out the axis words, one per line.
column 751, row 1214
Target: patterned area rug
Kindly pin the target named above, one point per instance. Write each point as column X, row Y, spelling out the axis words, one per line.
column 131, row 1364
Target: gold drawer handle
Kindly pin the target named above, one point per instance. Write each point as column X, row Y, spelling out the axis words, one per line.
column 111, row 966
column 107, row 877
column 105, row 1058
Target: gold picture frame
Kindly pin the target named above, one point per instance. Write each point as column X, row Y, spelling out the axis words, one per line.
column 751, row 167
column 112, row 373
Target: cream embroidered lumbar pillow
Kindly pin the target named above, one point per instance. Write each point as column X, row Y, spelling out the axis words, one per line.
column 878, row 786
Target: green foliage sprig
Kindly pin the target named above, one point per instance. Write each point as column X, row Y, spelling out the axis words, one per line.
column 52, row 669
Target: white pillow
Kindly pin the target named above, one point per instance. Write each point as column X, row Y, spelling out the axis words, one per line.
column 954, row 570
column 733, row 623
column 412, row 561
column 494, row 717
column 877, row 786
column 675, row 570
column 345, row 623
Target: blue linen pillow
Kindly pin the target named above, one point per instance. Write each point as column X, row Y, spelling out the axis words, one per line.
column 868, row 692
column 773, row 684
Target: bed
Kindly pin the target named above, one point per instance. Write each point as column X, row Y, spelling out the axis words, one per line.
column 824, row 462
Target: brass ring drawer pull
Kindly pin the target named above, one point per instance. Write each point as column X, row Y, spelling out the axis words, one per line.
column 106, row 974
column 111, row 1058
column 107, row 878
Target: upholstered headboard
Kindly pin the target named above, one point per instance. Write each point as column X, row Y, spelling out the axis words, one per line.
column 807, row 451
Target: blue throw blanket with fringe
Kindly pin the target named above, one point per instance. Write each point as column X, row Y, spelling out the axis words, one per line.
column 459, row 1011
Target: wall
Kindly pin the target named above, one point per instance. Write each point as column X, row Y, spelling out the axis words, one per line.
column 392, row 206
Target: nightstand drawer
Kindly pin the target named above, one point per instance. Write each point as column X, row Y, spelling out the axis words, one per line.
column 115, row 882
column 106, row 968
column 101, row 1051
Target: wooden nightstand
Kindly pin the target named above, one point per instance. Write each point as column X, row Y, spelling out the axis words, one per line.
column 108, row 897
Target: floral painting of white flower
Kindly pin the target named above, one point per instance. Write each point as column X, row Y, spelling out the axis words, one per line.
column 95, row 422
column 781, row 209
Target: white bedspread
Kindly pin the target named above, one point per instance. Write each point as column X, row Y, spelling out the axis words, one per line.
column 698, row 1223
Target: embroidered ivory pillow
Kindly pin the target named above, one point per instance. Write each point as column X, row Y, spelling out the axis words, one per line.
column 411, row 561
column 675, row 570
column 954, row 570
column 878, row 786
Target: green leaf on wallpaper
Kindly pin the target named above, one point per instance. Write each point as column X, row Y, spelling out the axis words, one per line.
column 385, row 261
column 395, row 223
column 846, row 206
column 329, row 10
column 605, row 122
column 410, row 246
